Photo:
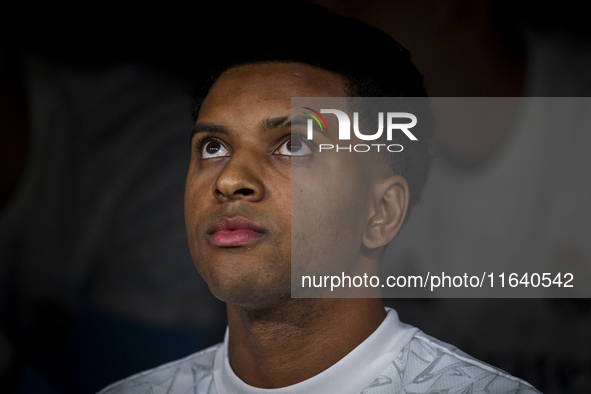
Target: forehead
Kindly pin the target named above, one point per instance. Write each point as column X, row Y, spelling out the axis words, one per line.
column 268, row 87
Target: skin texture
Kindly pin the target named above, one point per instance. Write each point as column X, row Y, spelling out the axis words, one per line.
column 241, row 167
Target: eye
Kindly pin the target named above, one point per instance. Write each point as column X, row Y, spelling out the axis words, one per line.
column 293, row 147
column 212, row 149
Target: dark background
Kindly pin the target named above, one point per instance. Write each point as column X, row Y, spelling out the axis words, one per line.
column 46, row 346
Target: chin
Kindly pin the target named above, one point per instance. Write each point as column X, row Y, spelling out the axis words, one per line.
column 251, row 294
column 237, row 277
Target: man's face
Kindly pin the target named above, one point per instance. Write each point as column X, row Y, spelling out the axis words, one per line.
column 238, row 198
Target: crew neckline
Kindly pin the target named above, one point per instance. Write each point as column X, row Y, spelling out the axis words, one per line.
column 351, row 374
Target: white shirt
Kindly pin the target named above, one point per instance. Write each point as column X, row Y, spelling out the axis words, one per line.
column 396, row 358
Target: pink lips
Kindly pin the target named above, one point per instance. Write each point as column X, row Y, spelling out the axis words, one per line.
column 234, row 231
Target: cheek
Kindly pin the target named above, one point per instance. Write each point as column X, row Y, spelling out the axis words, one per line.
column 193, row 196
column 198, row 202
column 326, row 227
column 199, row 186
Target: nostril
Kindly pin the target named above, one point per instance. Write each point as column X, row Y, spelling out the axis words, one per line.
column 244, row 191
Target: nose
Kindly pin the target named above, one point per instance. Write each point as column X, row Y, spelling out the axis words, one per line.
column 240, row 180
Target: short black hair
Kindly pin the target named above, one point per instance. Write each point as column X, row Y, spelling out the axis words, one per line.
column 372, row 63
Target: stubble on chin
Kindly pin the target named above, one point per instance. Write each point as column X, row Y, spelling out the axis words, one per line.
column 254, row 278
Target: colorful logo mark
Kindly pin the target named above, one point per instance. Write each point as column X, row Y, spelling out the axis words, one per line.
column 315, row 115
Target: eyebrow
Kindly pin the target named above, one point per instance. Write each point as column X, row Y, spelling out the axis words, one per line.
column 265, row 125
column 208, row 128
column 273, row 123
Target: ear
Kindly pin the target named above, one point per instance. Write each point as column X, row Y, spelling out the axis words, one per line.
column 387, row 213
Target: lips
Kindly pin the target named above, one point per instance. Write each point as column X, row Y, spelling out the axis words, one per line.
column 234, row 231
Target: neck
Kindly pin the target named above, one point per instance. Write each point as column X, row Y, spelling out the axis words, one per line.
column 287, row 344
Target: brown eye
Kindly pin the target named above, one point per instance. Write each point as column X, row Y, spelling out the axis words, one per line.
column 213, row 149
column 293, row 147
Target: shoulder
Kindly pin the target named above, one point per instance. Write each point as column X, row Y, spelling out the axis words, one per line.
column 192, row 372
column 445, row 366
column 427, row 365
